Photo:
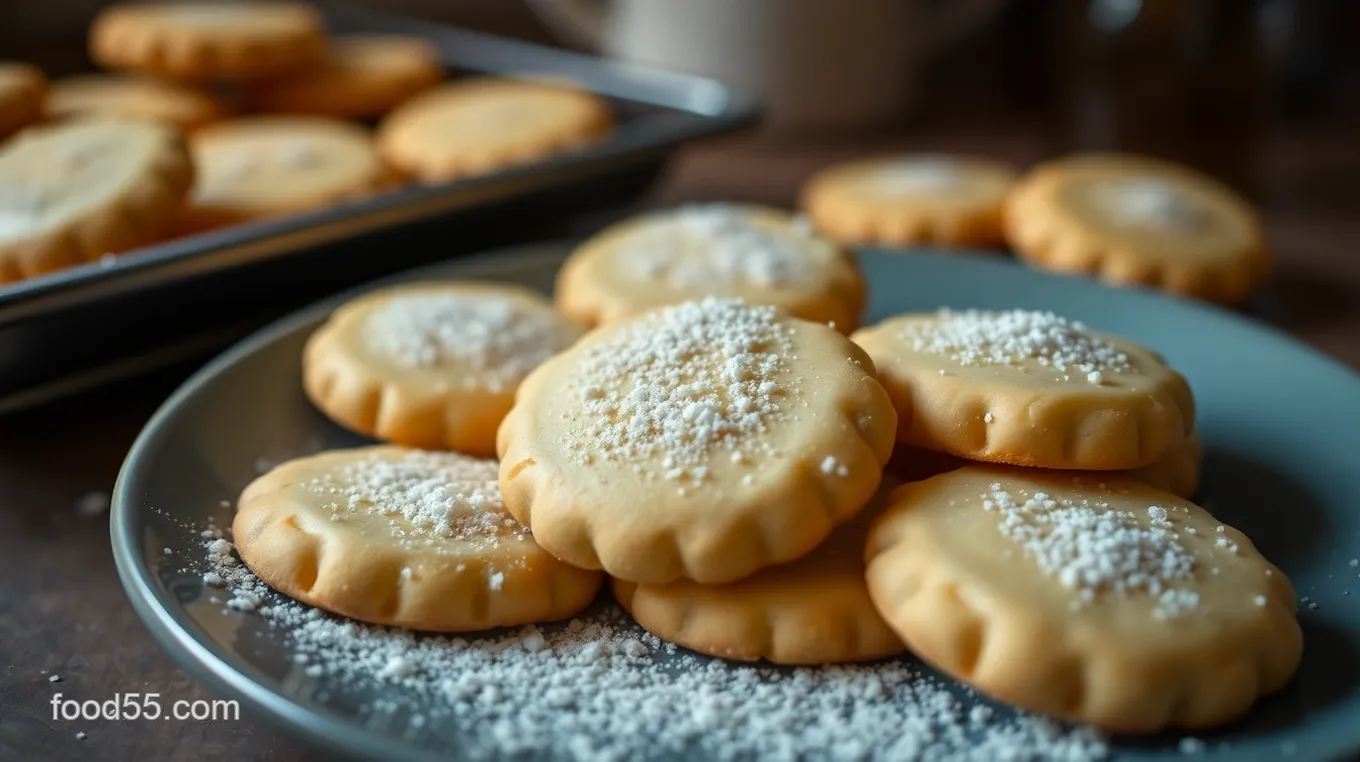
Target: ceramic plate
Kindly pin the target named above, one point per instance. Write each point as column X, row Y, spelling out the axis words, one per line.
column 1280, row 423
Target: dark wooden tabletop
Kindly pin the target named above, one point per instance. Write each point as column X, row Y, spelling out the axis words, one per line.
column 63, row 612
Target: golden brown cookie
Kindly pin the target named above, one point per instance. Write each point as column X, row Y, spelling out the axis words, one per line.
column 760, row 255
column 815, row 610
column 910, row 199
column 1029, row 389
column 1139, row 221
column 119, row 95
column 704, row 440
column 22, row 88
column 479, row 125
column 74, row 192
column 268, row 166
column 1088, row 597
column 218, row 39
column 404, row 538
column 364, row 75
column 432, row 364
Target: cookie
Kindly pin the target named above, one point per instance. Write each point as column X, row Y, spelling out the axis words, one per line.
column 364, row 75
column 404, row 538
column 475, row 126
column 763, row 256
column 22, row 88
column 73, row 192
column 431, row 365
column 1087, row 597
column 1138, row 221
column 910, row 199
column 814, row 610
column 267, row 166
column 120, row 95
column 704, row 440
column 1028, row 389
column 221, row 40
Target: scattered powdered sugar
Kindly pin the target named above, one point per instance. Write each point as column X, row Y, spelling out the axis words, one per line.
column 717, row 247
column 1091, row 548
column 918, row 174
column 427, row 498
column 974, row 337
column 681, row 381
column 490, row 334
column 1139, row 202
column 599, row 688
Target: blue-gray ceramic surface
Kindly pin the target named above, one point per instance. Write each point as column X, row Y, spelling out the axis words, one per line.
column 1281, row 426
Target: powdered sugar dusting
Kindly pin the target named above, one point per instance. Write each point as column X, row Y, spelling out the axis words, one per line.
column 680, row 382
column 427, row 498
column 717, row 247
column 599, row 688
column 1092, row 549
column 490, row 334
column 980, row 338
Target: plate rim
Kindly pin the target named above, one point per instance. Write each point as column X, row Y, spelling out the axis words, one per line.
column 321, row 729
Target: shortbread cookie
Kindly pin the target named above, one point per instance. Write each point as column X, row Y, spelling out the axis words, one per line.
column 405, row 538
column 120, row 95
column 22, row 88
column 1136, row 221
column 434, row 364
column 269, row 166
column 364, row 75
column 911, row 199
column 1029, row 389
column 480, row 125
column 1089, row 597
column 763, row 256
column 74, row 192
column 219, row 39
column 1177, row 471
column 814, row 610
column 704, row 440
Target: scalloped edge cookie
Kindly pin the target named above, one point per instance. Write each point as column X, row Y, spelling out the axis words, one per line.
column 142, row 212
column 1110, row 662
column 840, row 202
column 1005, row 419
column 22, row 90
column 366, row 392
column 622, row 516
column 1047, row 234
column 282, row 535
column 138, row 36
column 404, row 142
column 581, row 291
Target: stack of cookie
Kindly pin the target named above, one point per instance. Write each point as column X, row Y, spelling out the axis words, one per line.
column 1130, row 220
column 274, row 116
column 725, row 457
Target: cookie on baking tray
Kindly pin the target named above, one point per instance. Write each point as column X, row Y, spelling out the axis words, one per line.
column 22, row 89
column 910, row 199
column 431, row 364
column 364, row 75
column 1088, row 597
column 1029, row 389
column 122, row 95
column 213, row 40
column 479, row 125
column 813, row 610
column 405, row 538
column 73, row 192
column 267, row 166
column 705, row 440
column 760, row 255
column 1139, row 221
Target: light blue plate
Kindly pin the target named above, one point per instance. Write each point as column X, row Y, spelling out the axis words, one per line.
column 1280, row 423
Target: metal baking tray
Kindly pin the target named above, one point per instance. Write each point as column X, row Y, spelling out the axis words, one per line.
column 172, row 302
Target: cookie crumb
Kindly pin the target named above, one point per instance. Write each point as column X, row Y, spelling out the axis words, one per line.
column 80, row 735
column 54, row 679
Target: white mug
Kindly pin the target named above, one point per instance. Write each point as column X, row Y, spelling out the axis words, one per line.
column 813, row 64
